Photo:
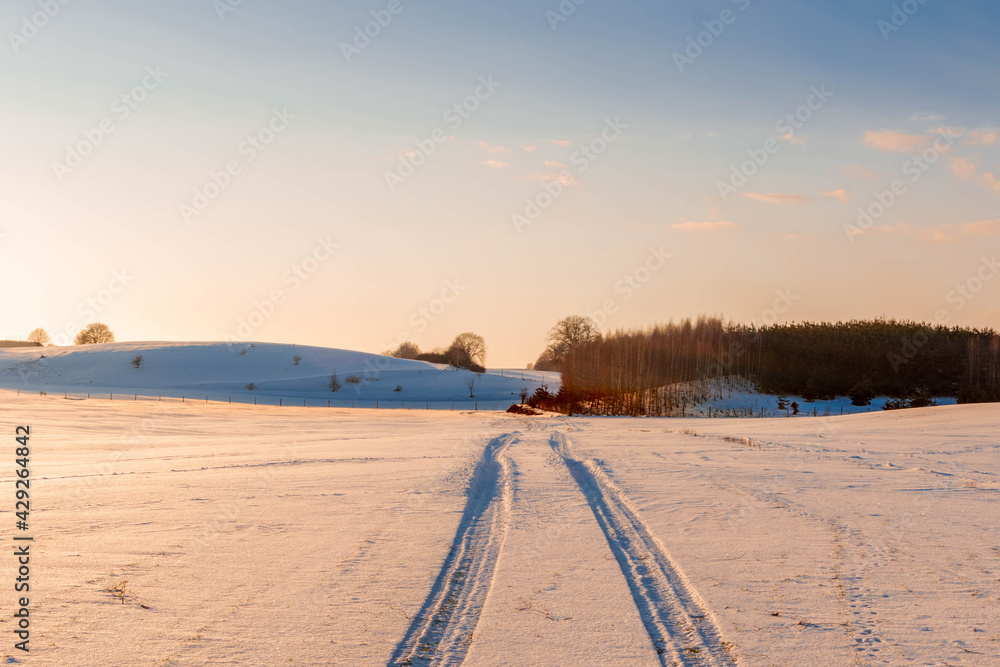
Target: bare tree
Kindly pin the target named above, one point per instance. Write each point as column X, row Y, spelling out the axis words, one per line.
column 406, row 350
column 94, row 334
column 470, row 382
column 567, row 335
column 467, row 349
column 40, row 336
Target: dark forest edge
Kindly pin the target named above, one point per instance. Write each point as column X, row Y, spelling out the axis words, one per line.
column 663, row 369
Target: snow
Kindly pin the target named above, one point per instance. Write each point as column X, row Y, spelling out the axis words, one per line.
column 222, row 371
column 263, row 535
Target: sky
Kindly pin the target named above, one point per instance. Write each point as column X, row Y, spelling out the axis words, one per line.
column 355, row 174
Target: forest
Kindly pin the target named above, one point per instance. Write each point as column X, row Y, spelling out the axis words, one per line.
column 663, row 368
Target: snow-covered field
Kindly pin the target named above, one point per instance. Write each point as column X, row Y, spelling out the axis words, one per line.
column 172, row 533
column 224, row 371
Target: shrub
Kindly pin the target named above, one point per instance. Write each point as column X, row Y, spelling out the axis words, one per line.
column 296, row 359
column 353, row 379
column 399, row 387
column 896, row 404
column 862, row 393
column 251, row 387
column 979, row 394
column 334, row 384
column 137, row 361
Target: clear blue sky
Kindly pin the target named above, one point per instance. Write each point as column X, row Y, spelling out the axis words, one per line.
column 250, row 264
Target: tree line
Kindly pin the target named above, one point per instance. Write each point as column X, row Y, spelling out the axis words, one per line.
column 660, row 370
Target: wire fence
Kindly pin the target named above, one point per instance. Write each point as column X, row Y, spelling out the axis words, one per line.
column 274, row 400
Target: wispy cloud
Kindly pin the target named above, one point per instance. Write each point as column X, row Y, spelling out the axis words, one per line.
column 892, row 141
column 490, row 148
column 494, row 164
column 777, row 198
column 528, row 148
column 950, row 233
column 561, row 142
column 839, row 195
column 565, row 177
column 860, row 171
column 790, row 137
column 982, row 137
column 709, row 226
column 924, row 116
column 554, row 163
column 968, row 170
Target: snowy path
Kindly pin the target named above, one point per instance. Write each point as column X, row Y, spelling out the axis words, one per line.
column 442, row 631
column 681, row 627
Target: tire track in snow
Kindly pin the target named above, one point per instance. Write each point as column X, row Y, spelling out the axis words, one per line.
column 442, row 630
column 678, row 621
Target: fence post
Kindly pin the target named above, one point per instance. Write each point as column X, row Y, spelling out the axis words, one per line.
column 376, row 405
column 279, row 402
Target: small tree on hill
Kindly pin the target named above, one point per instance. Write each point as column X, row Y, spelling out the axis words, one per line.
column 94, row 334
column 40, row 336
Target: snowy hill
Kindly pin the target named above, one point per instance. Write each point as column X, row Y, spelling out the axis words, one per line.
column 221, row 371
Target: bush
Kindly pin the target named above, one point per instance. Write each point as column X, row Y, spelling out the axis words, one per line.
column 399, row 387
column 979, row 394
column 137, row 361
column 896, row 404
column 353, row 379
column 862, row 393
column 296, row 359
column 251, row 387
column 922, row 399
column 334, row 384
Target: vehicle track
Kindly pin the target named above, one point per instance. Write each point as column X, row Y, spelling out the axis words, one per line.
column 442, row 630
column 679, row 623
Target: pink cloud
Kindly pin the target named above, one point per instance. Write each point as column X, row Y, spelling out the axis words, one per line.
column 793, row 139
column 963, row 168
column 561, row 142
column 777, row 198
column 710, row 226
column 554, row 163
column 967, row 170
column 859, row 171
column 839, row 195
column 494, row 164
column 565, row 177
column 949, row 233
column 489, row 148
column 892, row 141
column 528, row 148
column 981, row 138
